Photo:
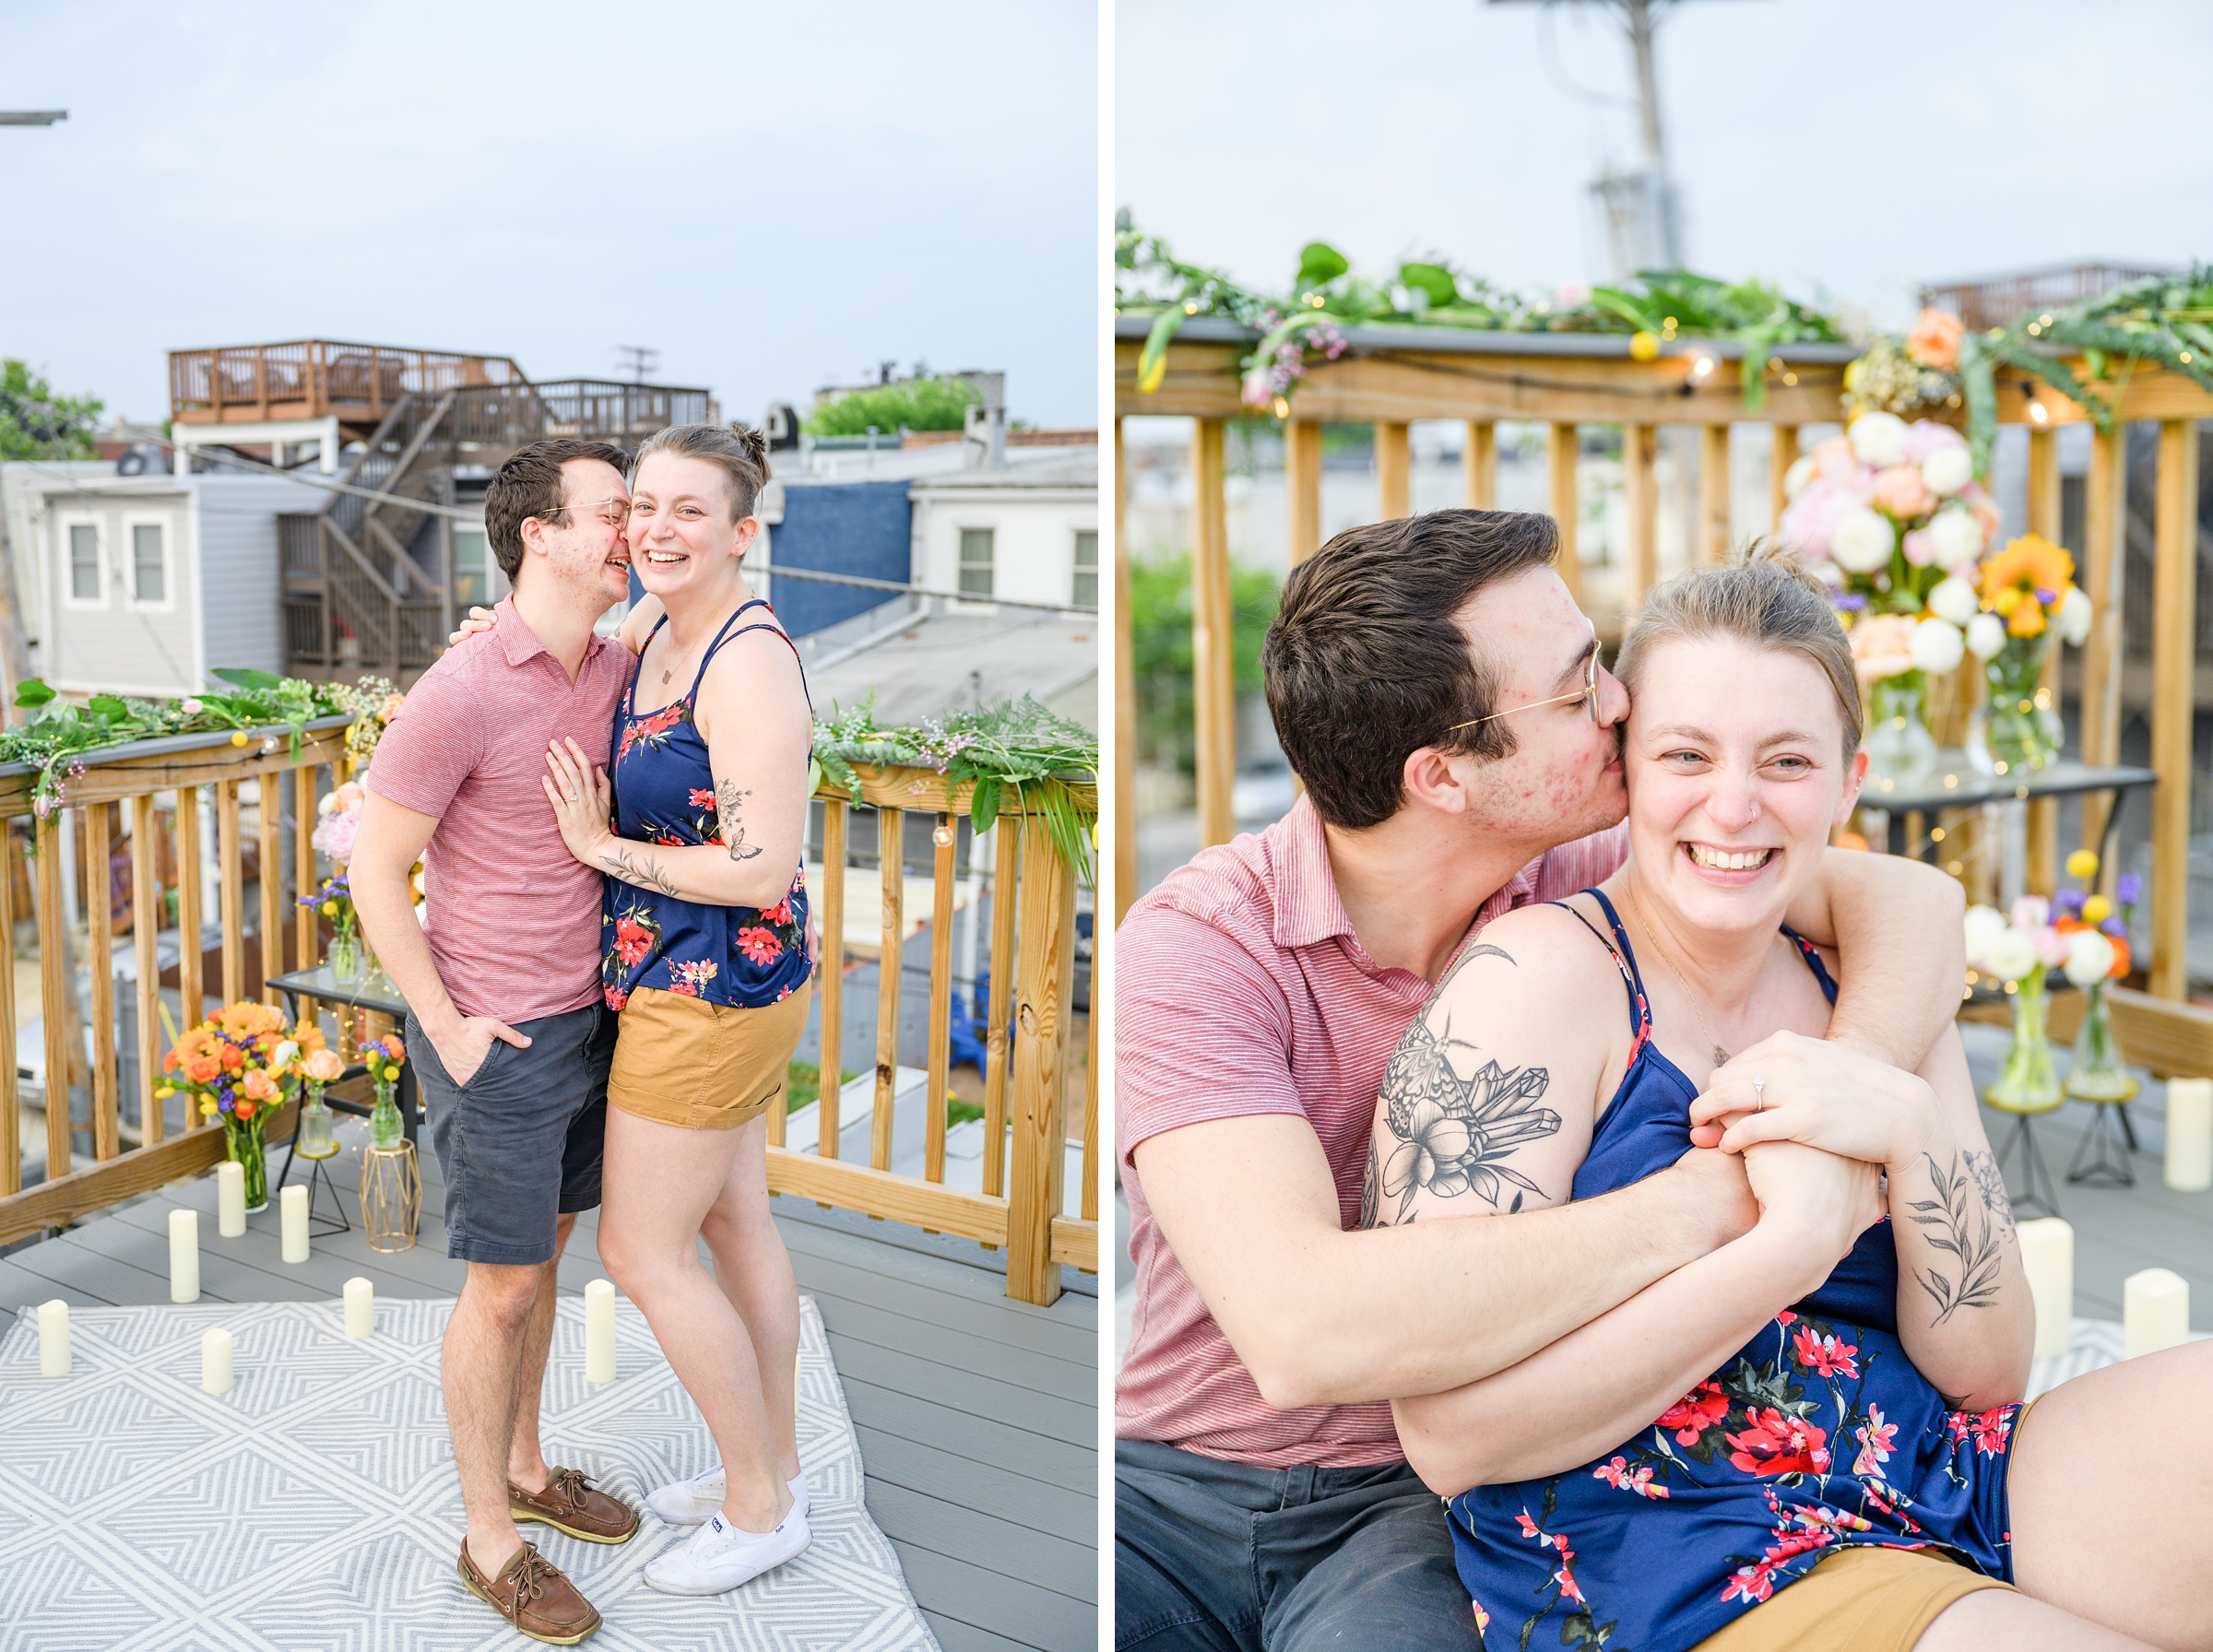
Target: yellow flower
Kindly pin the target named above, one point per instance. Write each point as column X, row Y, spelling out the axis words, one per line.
column 238, row 736
column 2026, row 564
column 1644, row 347
column 2083, row 864
column 2027, row 620
column 207, row 1108
column 330, row 909
column 2096, row 910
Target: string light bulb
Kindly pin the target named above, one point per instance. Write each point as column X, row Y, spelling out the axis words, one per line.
column 2038, row 413
column 1701, row 367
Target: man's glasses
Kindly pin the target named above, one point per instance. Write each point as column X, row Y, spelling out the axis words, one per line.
column 1588, row 691
column 614, row 513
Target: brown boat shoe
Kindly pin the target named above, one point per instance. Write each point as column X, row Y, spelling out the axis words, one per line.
column 569, row 1504
column 531, row 1593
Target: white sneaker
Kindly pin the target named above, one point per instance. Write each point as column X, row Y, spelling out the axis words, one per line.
column 718, row 1556
column 689, row 1502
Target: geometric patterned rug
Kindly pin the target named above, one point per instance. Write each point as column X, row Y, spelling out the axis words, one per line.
column 314, row 1508
column 2092, row 1343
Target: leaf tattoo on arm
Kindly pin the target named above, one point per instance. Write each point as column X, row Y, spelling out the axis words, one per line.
column 1451, row 1135
column 640, row 869
column 1946, row 1220
column 727, row 796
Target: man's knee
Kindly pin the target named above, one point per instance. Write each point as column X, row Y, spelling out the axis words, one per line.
column 504, row 1295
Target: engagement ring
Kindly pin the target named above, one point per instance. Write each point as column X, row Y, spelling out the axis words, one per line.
column 1759, row 1095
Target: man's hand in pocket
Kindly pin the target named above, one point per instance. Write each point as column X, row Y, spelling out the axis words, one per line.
column 463, row 1046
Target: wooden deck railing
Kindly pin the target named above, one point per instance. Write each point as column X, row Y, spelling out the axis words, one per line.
column 1391, row 376
column 154, row 798
column 317, row 379
column 1028, row 1050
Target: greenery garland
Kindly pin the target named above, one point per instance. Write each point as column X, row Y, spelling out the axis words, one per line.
column 1326, row 296
column 62, row 734
column 1016, row 746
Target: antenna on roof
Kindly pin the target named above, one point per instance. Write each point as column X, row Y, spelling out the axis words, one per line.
column 637, row 361
column 32, row 117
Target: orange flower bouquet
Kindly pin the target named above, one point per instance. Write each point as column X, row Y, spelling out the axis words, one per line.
column 238, row 1066
column 2028, row 596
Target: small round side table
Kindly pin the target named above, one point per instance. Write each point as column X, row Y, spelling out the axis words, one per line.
column 391, row 1196
column 2102, row 1156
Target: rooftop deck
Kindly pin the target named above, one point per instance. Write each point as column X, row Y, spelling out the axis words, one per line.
column 976, row 1415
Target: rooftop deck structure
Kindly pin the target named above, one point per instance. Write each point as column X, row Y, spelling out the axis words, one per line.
column 976, row 1415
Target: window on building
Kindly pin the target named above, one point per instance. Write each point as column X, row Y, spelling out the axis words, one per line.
column 1087, row 592
column 472, row 569
column 149, row 580
column 975, row 561
column 84, row 562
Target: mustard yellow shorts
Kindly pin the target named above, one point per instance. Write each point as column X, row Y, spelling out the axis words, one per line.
column 706, row 1066
column 1857, row 1600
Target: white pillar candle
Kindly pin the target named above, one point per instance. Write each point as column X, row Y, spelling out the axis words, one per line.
column 231, row 1199
column 2190, row 1135
column 599, row 1331
column 54, row 1338
column 2048, row 1258
column 292, row 1213
column 215, row 1361
column 2155, row 1311
column 361, row 1308
column 183, row 1256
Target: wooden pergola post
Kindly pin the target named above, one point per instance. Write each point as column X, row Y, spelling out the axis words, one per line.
column 1779, row 459
column 1479, row 465
column 1713, row 495
column 2174, row 611
column 1394, row 473
column 1125, row 697
column 1567, row 509
column 1302, row 478
column 1639, row 454
column 1214, row 656
column 2043, row 870
column 2105, row 500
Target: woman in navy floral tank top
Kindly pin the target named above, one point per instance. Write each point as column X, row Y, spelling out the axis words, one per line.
column 699, row 828
column 1813, row 1436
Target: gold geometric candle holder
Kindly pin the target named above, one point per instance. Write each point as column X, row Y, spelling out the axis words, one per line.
column 391, row 1196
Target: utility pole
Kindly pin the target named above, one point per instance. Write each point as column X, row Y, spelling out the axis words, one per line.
column 637, row 361
column 15, row 644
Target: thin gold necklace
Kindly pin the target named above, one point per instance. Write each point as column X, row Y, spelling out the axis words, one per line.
column 1721, row 1056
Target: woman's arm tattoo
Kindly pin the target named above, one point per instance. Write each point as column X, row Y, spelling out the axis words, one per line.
column 1451, row 1135
column 727, row 796
column 1960, row 1223
column 1991, row 1182
column 640, row 869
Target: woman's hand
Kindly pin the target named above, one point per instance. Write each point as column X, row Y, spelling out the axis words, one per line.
column 582, row 800
column 1824, row 1095
column 479, row 619
column 1821, row 1201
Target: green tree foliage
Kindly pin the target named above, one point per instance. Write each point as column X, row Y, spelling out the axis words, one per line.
column 1160, row 640
column 37, row 424
column 937, row 403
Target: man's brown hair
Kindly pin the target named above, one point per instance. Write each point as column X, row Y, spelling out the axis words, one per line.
column 530, row 485
column 1365, row 664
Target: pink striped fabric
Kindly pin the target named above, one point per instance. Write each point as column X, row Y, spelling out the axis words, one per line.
column 1241, row 989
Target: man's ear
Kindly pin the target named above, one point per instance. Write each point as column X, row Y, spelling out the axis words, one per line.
column 1429, row 779
column 533, row 535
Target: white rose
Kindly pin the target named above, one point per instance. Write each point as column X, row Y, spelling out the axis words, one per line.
column 1877, row 439
column 2072, row 620
column 1954, row 537
column 2090, row 958
column 1936, row 645
column 1946, row 471
column 1828, row 574
column 2011, row 956
column 1985, row 636
column 1863, row 538
column 1953, row 598
column 1795, row 479
column 1984, row 924
column 284, row 1054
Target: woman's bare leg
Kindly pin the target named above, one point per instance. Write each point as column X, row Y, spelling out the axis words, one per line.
column 754, row 1272
column 2111, row 1500
column 1990, row 1619
column 659, row 1184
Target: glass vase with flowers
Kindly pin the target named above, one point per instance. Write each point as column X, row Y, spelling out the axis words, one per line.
column 238, row 1068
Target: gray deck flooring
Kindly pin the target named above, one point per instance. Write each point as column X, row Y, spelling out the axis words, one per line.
column 978, row 1416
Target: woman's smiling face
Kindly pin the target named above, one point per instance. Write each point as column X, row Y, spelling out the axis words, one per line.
column 681, row 532
column 1734, row 759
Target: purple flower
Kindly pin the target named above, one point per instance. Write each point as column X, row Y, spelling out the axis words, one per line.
column 2129, row 889
column 1852, row 602
column 2069, row 901
column 2115, row 927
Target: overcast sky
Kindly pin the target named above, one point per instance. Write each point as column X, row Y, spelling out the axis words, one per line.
column 1859, row 147
column 774, row 197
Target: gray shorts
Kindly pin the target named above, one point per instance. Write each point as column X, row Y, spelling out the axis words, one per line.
column 520, row 1143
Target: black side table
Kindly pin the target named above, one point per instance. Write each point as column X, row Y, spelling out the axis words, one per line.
column 304, row 987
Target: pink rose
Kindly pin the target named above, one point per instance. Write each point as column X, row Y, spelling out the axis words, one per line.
column 1925, row 436
column 1834, row 460
column 1919, row 551
column 1882, row 644
column 1934, row 341
column 323, row 1066
column 1901, row 491
column 335, row 836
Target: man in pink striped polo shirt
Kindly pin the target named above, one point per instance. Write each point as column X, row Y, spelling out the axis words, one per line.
column 1439, row 693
